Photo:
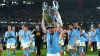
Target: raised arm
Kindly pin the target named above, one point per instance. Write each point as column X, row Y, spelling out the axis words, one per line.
column 60, row 21
column 43, row 24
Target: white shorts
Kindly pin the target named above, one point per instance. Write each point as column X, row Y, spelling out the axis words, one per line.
column 11, row 45
column 77, row 42
column 70, row 47
column 57, row 54
column 33, row 44
column 82, row 44
column 26, row 44
column 98, row 45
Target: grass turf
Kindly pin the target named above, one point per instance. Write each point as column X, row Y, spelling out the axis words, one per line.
column 20, row 53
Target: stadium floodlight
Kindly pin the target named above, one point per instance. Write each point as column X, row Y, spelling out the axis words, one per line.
column 34, row 23
column 14, row 3
column 24, row 2
column 24, row 22
column 92, row 26
column 17, row 3
column 98, row 7
column 4, row 1
column 1, row 22
column 31, row 22
column 28, row 3
column 16, row 22
column 2, row 4
column 5, row 22
column 12, row 22
column 97, row 22
column 81, row 24
column 21, row 22
column 32, row 2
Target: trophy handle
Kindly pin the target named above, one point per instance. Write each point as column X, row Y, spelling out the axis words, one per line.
column 55, row 4
column 44, row 6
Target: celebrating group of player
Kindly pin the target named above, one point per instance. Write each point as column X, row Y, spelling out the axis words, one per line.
column 54, row 38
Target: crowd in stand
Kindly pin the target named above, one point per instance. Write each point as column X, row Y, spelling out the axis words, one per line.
column 34, row 15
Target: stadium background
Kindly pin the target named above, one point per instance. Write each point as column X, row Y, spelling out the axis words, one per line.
column 17, row 12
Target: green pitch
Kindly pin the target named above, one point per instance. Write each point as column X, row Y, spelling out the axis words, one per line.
column 19, row 53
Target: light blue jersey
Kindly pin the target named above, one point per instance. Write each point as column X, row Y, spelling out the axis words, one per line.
column 86, row 37
column 25, row 36
column 98, row 35
column 53, row 43
column 21, row 31
column 92, row 38
column 91, row 35
column 77, row 33
column 16, row 37
column 71, row 35
column 82, row 37
column 10, row 35
column 33, row 39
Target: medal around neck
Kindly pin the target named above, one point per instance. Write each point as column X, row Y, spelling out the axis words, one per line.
column 50, row 13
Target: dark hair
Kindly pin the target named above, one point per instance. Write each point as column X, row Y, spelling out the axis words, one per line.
column 13, row 26
column 25, row 25
column 49, row 27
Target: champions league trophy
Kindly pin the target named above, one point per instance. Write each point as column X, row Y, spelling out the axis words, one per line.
column 50, row 13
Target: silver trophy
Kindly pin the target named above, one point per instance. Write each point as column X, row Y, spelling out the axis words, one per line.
column 50, row 13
